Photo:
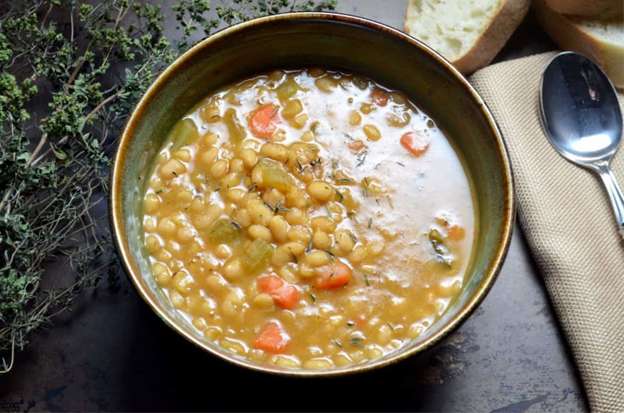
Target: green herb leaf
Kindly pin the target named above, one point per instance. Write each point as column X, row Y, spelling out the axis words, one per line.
column 357, row 341
column 55, row 161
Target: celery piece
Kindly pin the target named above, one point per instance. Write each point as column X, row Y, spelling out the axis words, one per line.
column 224, row 231
column 257, row 256
column 287, row 89
column 184, row 132
column 235, row 129
column 274, row 176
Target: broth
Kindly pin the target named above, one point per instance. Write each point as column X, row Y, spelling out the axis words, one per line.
column 308, row 219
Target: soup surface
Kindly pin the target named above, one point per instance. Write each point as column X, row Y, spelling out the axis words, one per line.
column 308, row 219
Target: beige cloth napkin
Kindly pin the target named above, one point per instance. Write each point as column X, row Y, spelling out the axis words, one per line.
column 566, row 217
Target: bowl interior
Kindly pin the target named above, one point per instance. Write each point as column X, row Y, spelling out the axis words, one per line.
column 331, row 41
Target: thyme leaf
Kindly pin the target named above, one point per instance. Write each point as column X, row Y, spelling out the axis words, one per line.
column 56, row 141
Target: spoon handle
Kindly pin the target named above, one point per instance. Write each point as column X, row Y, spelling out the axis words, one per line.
column 615, row 196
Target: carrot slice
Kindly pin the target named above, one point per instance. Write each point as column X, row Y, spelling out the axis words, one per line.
column 287, row 296
column 380, row 97
column 456, row 232
column 272, row 338
column 332, row 276
column 263, row 121
column 284, row 295
column 356, row 145
column 415, row 143
column 269, row 283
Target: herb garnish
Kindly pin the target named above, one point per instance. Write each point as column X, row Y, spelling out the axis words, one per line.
column 340, row 196
column 70, row 73
column 357, row 341
column 277, row 208
column 361, row 158
column 344, row 181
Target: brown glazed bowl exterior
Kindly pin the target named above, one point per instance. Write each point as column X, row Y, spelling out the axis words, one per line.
column 343, row 42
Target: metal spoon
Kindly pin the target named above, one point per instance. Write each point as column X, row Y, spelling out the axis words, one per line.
column 582, row 118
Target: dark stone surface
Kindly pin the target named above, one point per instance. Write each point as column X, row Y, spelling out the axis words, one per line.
column 113, row 353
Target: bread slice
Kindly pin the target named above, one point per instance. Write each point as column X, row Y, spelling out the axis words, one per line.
column 469, row 33
column 588, row 8
column 600, row 40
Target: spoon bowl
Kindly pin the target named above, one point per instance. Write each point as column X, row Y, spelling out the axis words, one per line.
column 582, row 118
column 580, row 110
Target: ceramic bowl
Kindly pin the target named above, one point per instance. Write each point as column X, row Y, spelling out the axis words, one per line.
column 353, row 44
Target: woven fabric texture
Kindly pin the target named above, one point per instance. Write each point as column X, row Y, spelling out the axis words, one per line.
column 567, row 220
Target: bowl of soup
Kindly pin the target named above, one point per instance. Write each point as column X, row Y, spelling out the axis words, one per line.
column 312, row 194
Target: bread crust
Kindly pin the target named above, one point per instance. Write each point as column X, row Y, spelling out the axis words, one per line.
column 588, row 8
column 499, row 29
column 570, row 35
column 492, row 40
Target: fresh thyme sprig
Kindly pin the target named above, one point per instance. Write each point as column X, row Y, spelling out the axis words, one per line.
column 70, row 73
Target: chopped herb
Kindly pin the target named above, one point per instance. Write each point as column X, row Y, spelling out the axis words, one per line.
column 357, row 341
column 308, row 247
column 277, row 208
column 312, row 297
column 390, row 201
column 337, row 343
column 391, row 326
column 160, row 191
column 236, row 225
column 340, row 196
column 361, row 158
column 344, row 181
column 292, row 255
column 280, row 208
column 401, row 164
column 370, row 223
column 366, row 281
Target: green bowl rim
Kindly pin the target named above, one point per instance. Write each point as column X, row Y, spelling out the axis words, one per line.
column 117, row 221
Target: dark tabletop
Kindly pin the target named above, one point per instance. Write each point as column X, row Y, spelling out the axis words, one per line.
column 113, row 353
